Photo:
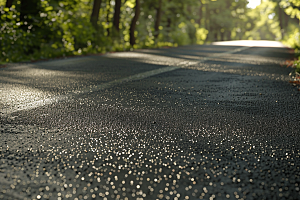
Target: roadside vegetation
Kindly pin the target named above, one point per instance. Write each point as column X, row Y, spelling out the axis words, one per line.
column 42, row 29
column 295, row 74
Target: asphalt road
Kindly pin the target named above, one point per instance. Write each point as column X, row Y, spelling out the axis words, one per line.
column 194, row 122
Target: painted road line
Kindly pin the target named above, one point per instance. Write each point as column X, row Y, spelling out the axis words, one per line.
column 126, row 79
column 96, row 88
column 71, row 95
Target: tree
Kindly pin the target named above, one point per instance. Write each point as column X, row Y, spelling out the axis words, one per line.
column 292, row 30
column 292, row 8
column 134, row 21
column 157, row 18
column 29, row 12
column 107, row 16
column 9, row 3
column 62, row 26
column 224, row 19
column 116, row 20
column 200, row 13
column 95, row 13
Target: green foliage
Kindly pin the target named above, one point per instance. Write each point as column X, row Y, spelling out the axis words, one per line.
column 265, row 27
column 201, row 35
column 63, row 27
column 15, row 42
column 292, row 8
column 293, row 38
column 297, row 65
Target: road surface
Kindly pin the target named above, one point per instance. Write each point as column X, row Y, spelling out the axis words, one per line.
column 194, row 122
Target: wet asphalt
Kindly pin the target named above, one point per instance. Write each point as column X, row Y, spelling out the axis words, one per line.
column 193, row 122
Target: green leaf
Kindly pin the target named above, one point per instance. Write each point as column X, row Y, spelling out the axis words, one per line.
column 48, row 8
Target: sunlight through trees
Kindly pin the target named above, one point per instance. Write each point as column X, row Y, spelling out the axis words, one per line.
column 39, row 29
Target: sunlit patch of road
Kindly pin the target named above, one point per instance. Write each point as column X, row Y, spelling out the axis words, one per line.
column 251, row 43
column 17, row 97
column 65, row 79
column 62, row 81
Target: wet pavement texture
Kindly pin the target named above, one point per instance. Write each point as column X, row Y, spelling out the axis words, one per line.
column 193, row 122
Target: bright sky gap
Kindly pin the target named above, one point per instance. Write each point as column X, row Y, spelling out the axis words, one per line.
column 253, row 3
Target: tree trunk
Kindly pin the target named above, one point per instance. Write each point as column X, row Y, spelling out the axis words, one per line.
column 169, row 23
column 216, row 35
column 200, row 14
column 9, row 3
column 95, row 13
column 280, row 22
column 133, row 22
column 286, row 18
column 107, row 15
column 116, row 21
column 29, row 15
column 207, row 18
column 29, row 10
column 228, row 34
column 189, row 10
column 222, row 34
column 157, row 20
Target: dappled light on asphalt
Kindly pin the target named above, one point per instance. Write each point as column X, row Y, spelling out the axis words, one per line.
column 66, row 77
column 16, row 97
column 216, row 61
column 198, row 122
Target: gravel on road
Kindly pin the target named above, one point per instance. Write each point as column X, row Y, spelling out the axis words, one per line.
column 220, row 128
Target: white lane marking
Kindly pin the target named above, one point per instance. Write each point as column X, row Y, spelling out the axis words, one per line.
column 59, row 98
column 126, row 79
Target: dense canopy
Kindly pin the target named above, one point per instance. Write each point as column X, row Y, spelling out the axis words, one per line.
column 38, row 29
